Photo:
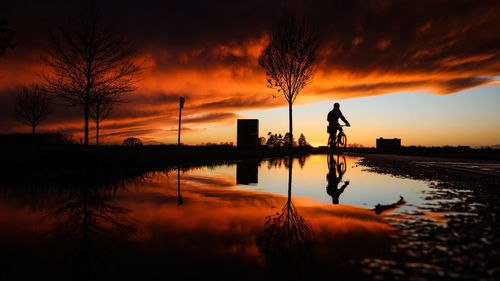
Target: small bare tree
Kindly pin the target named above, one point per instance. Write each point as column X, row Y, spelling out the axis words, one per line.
column 33, row 105
column 90, row 63
column 99, row 111
column 289, row 59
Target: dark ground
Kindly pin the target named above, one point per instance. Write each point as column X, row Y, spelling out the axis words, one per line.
column 68, row 163
column 465, row 245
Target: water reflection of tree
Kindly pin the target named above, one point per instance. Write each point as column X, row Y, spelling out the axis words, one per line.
column 87, row 225
column 302, row 161
column 274, row 163
column 286, row 242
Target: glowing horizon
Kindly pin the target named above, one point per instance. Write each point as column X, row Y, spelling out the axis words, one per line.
column 449, row 69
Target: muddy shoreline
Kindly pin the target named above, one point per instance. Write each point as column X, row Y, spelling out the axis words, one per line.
column 456, row 235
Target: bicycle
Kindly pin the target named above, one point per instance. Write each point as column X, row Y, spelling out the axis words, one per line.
column 335, row 142
column 338, row 164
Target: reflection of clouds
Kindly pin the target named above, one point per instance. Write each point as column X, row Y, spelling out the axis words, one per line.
column 216, row 228
column 209, row 180
column 227, row 222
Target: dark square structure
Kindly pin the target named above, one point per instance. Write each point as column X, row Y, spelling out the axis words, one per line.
column 388, row 144
column 247, row 172
column 248, row 133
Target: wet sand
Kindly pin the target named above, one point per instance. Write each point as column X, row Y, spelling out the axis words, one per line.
column 456, row 236
column 484, row 167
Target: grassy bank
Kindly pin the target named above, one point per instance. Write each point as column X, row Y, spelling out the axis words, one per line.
column 70, row 162
column 463, row 152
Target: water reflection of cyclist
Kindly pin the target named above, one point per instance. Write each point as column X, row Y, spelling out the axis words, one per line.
column 334, row 178
column 333, row 119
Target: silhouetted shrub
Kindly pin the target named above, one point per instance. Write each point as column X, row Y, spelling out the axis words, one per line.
column 132, row 142
column 303, row 141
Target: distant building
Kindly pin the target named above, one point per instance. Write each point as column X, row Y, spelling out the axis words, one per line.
column 388, row 144
column 248, row 133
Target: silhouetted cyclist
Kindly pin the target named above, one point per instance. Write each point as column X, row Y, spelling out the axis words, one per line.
column 333, row 119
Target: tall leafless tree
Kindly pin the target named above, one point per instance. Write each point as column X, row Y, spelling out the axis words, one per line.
column 33, row 105
column 289, row 59
column 6, row 37
column 99, row 111
column 90, row 63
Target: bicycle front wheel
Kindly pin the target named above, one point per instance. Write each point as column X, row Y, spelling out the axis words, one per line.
column 341, row 164
column 343, row 141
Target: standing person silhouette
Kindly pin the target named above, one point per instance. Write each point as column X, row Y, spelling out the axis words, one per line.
column 333, row 119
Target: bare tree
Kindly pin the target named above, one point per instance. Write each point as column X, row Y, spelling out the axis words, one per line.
column 99, row 111
column 90, row 63
column 33, row 105
column 6, row 37
column 289, row 59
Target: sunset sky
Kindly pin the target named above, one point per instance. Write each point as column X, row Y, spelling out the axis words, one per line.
column 427, row 72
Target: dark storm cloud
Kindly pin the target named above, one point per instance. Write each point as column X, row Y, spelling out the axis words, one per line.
column 412, row 36
column 455, row 85
column 131, row 133
column 443, row 86
column 211, row 117
column 387, row 86
column 7, row 113
column 207, row 51
column 358, row 36
column 239, row 103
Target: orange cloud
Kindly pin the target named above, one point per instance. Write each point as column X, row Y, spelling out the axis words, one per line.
column 367, row 49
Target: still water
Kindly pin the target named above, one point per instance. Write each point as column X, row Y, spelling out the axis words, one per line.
column 295, row 218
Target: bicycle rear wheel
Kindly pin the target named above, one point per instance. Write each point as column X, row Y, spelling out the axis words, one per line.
column 331, row 143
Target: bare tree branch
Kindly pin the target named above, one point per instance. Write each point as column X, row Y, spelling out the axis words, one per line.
column 90, row 64
column 290, row 58
column 99, row 111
